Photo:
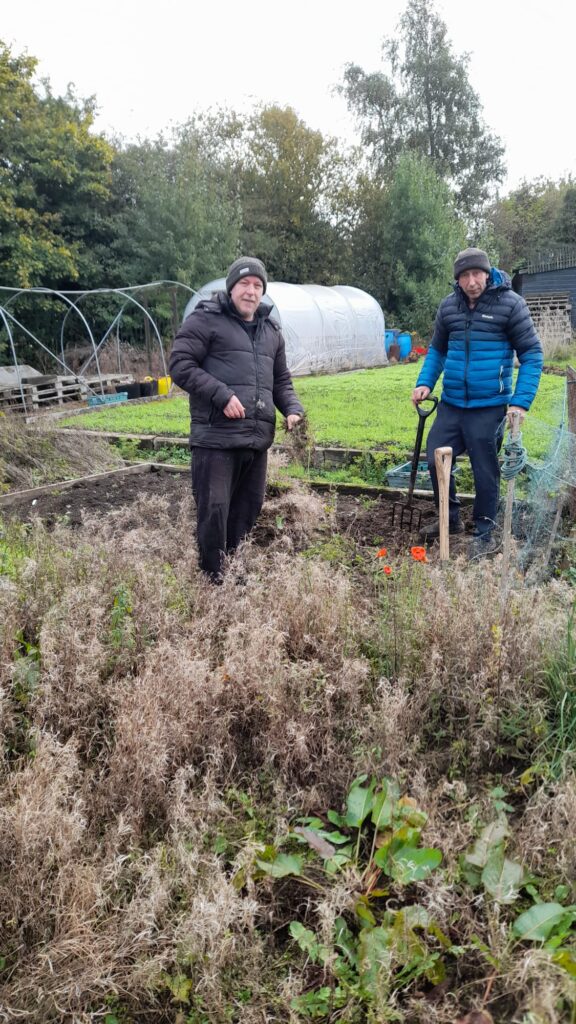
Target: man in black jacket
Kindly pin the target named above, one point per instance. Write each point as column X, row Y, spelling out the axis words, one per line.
column 230, row 357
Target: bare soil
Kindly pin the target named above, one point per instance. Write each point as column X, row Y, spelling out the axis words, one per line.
column 365, row 518
column 103, row 495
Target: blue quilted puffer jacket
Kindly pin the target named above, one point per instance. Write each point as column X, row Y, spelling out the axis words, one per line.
column 475, row 348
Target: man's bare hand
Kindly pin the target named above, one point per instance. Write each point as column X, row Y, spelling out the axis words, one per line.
column 419, row 394
column 234, row 410
column 292, row 420
column 521, row 415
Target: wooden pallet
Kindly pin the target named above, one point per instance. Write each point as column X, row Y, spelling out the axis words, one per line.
column 33, row 396
column 552, row 319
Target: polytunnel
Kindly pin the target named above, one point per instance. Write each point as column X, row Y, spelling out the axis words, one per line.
column 326, row 329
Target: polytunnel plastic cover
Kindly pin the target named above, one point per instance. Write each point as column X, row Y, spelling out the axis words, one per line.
column 325, row 329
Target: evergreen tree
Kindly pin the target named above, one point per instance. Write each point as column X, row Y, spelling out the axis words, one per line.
column 406, row 240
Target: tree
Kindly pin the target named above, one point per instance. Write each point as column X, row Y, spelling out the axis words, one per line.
column 54, row 180
column 175, row 217
column 293, row 189
column 406, row 240
column 565, row 226
column 424, row 103
column 532, row 220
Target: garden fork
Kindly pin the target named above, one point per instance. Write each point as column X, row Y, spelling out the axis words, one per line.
column 410, row 517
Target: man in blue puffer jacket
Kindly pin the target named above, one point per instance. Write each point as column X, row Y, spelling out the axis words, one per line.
column 479, row 329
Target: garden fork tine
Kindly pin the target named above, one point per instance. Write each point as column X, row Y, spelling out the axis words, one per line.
column 410, row 517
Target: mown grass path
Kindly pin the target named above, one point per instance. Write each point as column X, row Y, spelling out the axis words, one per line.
column 361, row 409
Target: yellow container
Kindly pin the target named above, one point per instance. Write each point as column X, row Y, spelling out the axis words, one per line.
column 164, row 385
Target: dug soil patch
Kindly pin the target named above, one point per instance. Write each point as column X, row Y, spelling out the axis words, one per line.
column 367, row 520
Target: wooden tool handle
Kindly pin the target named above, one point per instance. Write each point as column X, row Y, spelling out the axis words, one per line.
column 507, row 528
column 443, row 462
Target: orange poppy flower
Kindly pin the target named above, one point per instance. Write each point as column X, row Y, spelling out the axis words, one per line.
column 382, row 553
column 418, row 554
column 387, row 569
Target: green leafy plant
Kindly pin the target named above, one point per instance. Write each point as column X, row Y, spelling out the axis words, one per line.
column 377, row 836
column 25, row 671
column 551, row 925
column 13, row 549
column 121, row 633
column 487, row 866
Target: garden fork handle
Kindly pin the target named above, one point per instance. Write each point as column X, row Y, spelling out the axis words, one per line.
column 423, row 415
column 443, row 463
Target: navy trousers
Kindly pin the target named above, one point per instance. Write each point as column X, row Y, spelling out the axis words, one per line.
column 480, row 433
column 229, row 487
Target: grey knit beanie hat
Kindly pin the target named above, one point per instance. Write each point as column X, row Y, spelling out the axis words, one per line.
column 245, row 266
column 471, row 259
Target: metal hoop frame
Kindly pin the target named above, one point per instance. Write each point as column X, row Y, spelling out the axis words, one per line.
column 72, row 299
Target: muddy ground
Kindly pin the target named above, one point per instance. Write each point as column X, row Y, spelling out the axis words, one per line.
column 368, row 518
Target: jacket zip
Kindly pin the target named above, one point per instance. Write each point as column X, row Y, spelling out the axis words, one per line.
column 468, row 330
column 467, row 353
column 254, row 340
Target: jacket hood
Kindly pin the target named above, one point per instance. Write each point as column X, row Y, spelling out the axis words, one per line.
column 499, row 279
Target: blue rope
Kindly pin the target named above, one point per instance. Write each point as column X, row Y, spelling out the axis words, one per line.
column 515, row 457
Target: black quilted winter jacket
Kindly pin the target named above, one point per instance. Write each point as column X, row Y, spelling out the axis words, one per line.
column 214, row 358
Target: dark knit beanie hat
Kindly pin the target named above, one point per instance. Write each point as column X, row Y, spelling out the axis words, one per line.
column 471, row 259
column 246, row 266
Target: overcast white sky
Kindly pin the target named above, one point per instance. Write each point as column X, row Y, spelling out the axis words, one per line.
column 150, row 65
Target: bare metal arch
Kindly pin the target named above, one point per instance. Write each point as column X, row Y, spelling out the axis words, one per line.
column 72, row 299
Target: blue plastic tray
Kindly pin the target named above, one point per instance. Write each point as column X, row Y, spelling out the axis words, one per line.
column 121, row 396
column 399, row 476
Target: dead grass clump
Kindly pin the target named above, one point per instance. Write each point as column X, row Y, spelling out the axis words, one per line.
column 91, row 919
column 311, row 604
column 545, row 993
column 475, row 671
column 42, row 828
column 94, row 614
column 32, row 455
column 158, row 724
column 544, row 837
column 298, row 443
column 291, row 520
column 240, row 693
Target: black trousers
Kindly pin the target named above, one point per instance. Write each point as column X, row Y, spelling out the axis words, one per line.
column 480, row 433
column 228, row 486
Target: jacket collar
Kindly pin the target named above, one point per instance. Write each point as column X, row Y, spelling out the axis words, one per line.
column 221, row 303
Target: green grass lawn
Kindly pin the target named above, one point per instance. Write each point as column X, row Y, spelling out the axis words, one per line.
column 362, row 409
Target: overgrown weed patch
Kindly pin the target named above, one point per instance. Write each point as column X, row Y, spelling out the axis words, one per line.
column 178, row 733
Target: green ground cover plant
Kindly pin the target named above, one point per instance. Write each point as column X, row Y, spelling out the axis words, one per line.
column 361, row 409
